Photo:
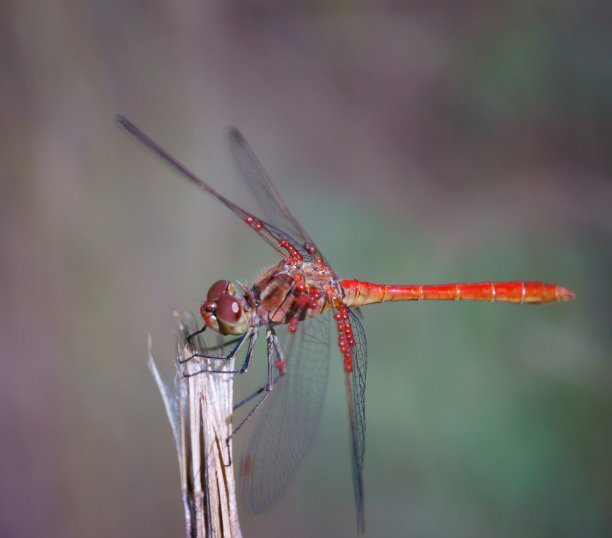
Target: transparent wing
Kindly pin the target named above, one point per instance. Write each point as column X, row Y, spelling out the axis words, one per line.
column 282, row 226
column 355, row 392
column 288, row 421
column 278, row 216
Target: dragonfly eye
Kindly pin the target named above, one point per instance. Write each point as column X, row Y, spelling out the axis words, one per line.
column 228, row 308
column 208, row 306
column 216, row 290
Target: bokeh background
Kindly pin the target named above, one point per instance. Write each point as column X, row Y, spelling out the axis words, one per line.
column 418, row 142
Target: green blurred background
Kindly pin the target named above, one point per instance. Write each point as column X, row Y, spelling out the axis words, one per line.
column 418, row 142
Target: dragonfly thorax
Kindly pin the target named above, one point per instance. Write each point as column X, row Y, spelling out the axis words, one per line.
column 288, row 291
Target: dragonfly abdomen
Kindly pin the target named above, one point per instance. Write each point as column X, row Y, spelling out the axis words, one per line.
column 360, row 293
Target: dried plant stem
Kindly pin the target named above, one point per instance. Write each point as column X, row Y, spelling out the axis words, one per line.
column 200, row 409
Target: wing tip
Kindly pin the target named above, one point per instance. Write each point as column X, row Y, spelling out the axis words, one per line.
column 359, row 502
column 122, row 120
column 360, row 523
column 235, row 134
column 126, row 125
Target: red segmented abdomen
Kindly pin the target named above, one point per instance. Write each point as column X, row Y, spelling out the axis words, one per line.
column 359, row 293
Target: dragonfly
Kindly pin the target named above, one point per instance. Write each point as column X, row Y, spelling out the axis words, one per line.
column 293, row 301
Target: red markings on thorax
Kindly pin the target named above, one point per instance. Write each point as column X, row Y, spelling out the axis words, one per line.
column 273, row 292
column 288, row 293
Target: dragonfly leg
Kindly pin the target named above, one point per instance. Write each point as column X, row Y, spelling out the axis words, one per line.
column 225, row 344
column 190, row 336
column 273, row 349
column 238, row 341
column 214, row 349
column 249, row 398
column 217, row 347
column 251, row 335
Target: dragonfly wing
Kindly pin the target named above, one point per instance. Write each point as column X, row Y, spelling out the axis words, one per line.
column 270, row 232
column 355, row 392
column 288, row 420
column 279, row 219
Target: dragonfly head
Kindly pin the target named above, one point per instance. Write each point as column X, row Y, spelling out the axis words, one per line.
column 223, row 311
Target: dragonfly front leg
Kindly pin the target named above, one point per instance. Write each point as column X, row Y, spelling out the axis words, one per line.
column 216, row 348
column 250, row 336
column 238, row 341
column 195, row 333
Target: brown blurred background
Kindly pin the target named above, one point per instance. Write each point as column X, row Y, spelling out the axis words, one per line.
column 418, row 142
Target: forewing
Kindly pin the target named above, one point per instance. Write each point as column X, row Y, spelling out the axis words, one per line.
column 273, row 232
column 288, row 421
column 355, row 392
column 280, row 221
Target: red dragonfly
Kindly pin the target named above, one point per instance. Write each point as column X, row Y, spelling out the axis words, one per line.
column 293, row 300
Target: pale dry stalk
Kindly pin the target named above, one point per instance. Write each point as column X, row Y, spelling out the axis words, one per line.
column 200, row 410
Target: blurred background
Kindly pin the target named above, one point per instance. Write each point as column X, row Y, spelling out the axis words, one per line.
column 417, row 142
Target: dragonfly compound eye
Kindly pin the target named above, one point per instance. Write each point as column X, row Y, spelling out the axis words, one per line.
column 228, row 308
column 216, row 290
column 209, row 307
